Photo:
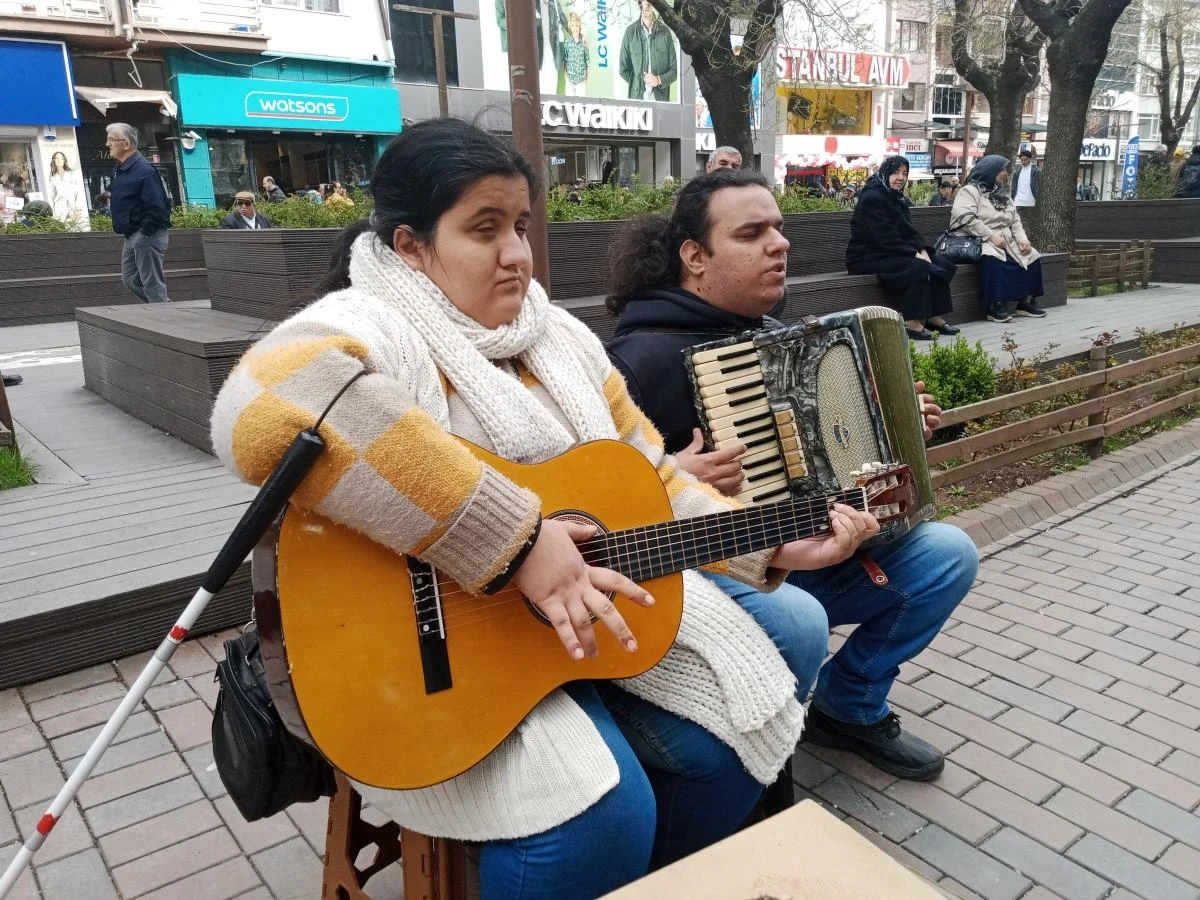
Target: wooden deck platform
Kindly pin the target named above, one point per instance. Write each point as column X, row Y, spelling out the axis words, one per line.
column 99, row 563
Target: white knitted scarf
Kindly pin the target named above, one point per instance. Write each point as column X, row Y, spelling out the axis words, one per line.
column 722, row 672
column 520, row 427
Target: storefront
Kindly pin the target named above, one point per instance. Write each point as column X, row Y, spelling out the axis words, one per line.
column 830, row 105
column 610, row 142
column 39, row 159
column 235, row 131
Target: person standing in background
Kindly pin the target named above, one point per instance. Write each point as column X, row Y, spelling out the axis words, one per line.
column 1025, row 181
column 141, row 213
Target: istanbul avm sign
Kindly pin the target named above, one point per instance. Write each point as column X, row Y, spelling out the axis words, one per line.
column 804, row 65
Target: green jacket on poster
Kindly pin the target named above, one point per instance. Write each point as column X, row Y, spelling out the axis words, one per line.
column 654, row 54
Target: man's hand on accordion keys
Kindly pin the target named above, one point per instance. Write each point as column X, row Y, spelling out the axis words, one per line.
column 931, row 413
column 848, row 528
column 720, row 468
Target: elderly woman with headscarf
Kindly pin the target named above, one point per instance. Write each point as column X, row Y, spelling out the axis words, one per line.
column 884, row 243
column 1010, row 270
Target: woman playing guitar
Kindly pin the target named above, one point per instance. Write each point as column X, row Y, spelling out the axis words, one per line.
column 433, row 300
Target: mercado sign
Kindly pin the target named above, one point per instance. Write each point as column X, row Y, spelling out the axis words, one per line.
column 803, row 65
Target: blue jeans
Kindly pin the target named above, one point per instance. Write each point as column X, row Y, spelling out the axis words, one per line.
column 142, row 266
column 680, row 790
column 929, row 571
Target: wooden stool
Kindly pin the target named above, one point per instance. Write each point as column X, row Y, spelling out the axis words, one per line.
column 434, row 868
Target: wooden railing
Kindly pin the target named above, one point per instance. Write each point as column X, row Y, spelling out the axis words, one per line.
column 7, row 435
column 1123, row 265
column 1101, row 398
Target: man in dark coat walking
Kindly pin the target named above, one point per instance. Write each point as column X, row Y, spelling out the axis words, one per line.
column 141, row 213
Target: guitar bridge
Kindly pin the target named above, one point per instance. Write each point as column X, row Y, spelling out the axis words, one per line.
column 431, row 626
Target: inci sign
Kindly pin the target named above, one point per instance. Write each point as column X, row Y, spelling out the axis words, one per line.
column 304, row 107
column 803, row 65
column 598, row 117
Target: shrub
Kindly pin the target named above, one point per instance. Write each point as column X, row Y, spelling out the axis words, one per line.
column 194, row 216
column 956, row 374
column 920, row 192
column 300, row 212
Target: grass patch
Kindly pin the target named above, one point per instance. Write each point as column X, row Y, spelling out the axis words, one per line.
column 16, row 470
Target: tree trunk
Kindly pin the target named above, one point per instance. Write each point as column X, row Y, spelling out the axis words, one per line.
column 1005, row 109
column 727, row 92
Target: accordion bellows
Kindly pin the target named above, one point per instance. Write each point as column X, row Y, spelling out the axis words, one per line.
column 815, row 404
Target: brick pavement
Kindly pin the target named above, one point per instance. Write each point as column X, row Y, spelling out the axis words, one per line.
column 1065, row 691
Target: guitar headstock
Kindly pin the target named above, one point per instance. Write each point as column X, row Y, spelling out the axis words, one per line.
column 890, row 489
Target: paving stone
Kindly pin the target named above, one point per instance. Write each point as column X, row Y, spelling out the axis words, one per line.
column 127, row 753
column 204, row 770
column 30, row 778
column 8, row 828
column 952, row 888
column 1185, row 618
column 1069, row 615
column 1047, row 868
column 979, row 619
column 289, row 870
column 930, row 801
column 255, row 836
column 961, row 696
column 1038, row 596
column 869, row 806
column 1160, row 644
column 955, row 780
column 189, row 725
column 75, row 745
column 1108, row 823
column 1173, row 668
column 895, row 851
column 1030, row 598
column 1182, row 764
column 76, row 699
column 977, row 871
column 173, row 693
column 1004, row 772
column 20, row 741
column 1048, row 665
column 130, row 779
column 853, row 765
column 1023, row 815
column 146, row 804
column 935, row 734
column 1113, row 735
column 1038, row 729
column 1073, row 773
column 808, row 771
column 1163, row 815
column 312, row 819
column 191, row 659
column 912, row 699
column 69, row 836
column 229, row 879
column 13, row 713
column 26, row 887
column 1119, row 597
column 949, row 645
column 1150, row 623
column 206, row 689
column 1018, row 672
column 79, row 719
column 997, row 643
column 78, row 877
column 1189, row 694
column 1025, row 699
column 1182, row 861
column 1038, row 621
column 1124, row 868
column 72, row 681
column 162, row 831
column 988, row 575
column 981, row 730
column 168, row 865
column 1101, row 705
column 1141, row 774
column 952, row 668
column 1127, row 671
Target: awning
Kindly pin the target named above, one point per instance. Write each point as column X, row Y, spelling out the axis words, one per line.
column 106, row 98
column 954, row 149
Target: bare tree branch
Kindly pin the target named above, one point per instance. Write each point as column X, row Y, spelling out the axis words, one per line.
column 1052, row 20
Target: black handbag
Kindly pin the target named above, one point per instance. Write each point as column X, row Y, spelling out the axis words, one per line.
column 959, row 248
column 262, row 765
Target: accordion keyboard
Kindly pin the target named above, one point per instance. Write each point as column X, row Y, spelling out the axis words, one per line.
column 738, row 411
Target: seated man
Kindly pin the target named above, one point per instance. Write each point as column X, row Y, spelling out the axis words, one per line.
column 245, row 214
column 714, row 269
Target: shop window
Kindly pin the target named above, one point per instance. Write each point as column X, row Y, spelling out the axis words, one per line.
column 230, row 169
column 814, row 110
column 328, row 6
column 102, row 71
column 18, row 179
column 412, row 40
column 912, row 98
column 943, row 35
column 910, row 36
column 1148, row 128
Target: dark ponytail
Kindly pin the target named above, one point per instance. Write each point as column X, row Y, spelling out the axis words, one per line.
column 422, row 174
column 645, row 254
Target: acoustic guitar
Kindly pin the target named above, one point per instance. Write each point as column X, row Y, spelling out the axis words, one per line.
column 402, row 679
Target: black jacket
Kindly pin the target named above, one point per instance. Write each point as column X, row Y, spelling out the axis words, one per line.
column 235, row 220
column 883, row 240
column 1189, row 177
column 139, row 201
column 647, row 349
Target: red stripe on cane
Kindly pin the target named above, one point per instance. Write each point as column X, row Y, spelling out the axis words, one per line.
column 45, row 823
column 178, row 633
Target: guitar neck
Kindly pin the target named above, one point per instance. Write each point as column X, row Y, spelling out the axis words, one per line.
column 652, row 551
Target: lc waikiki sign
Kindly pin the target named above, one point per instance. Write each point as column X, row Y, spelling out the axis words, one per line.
column 597, row 116
column 801, row 65
column 220, row 102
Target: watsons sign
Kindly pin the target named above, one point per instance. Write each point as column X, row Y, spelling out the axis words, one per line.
column 802, row 65
column 597, row 117
column 303, row 107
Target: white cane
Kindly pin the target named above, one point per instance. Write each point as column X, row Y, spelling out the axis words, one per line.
column 262, row 511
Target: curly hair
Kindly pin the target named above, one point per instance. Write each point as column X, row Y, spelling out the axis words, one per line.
column 645, row 254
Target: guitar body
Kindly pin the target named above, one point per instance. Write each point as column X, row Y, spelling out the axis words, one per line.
column 349, row 634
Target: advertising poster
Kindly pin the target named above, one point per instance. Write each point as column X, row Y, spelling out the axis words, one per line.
column 819, row 110
column 603, row 49
column 64, row 186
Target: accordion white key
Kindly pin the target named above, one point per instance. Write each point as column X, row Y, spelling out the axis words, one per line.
column 817, row 405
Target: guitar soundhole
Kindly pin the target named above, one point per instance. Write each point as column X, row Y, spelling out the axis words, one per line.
column 568, row 515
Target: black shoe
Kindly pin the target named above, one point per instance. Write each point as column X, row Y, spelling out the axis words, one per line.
column 945, row 328
column 998, row 315
column 883, row 744
column 1029, row 308
column 12, row 380
column 923, row 335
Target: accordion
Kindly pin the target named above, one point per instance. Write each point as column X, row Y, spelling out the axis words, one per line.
column 818, row 405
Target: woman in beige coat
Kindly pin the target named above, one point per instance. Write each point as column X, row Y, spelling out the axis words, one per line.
column 1010, row 270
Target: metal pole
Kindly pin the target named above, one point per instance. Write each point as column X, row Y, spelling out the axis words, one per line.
column 527, row 121
column 439, row 60
column 968, row 104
